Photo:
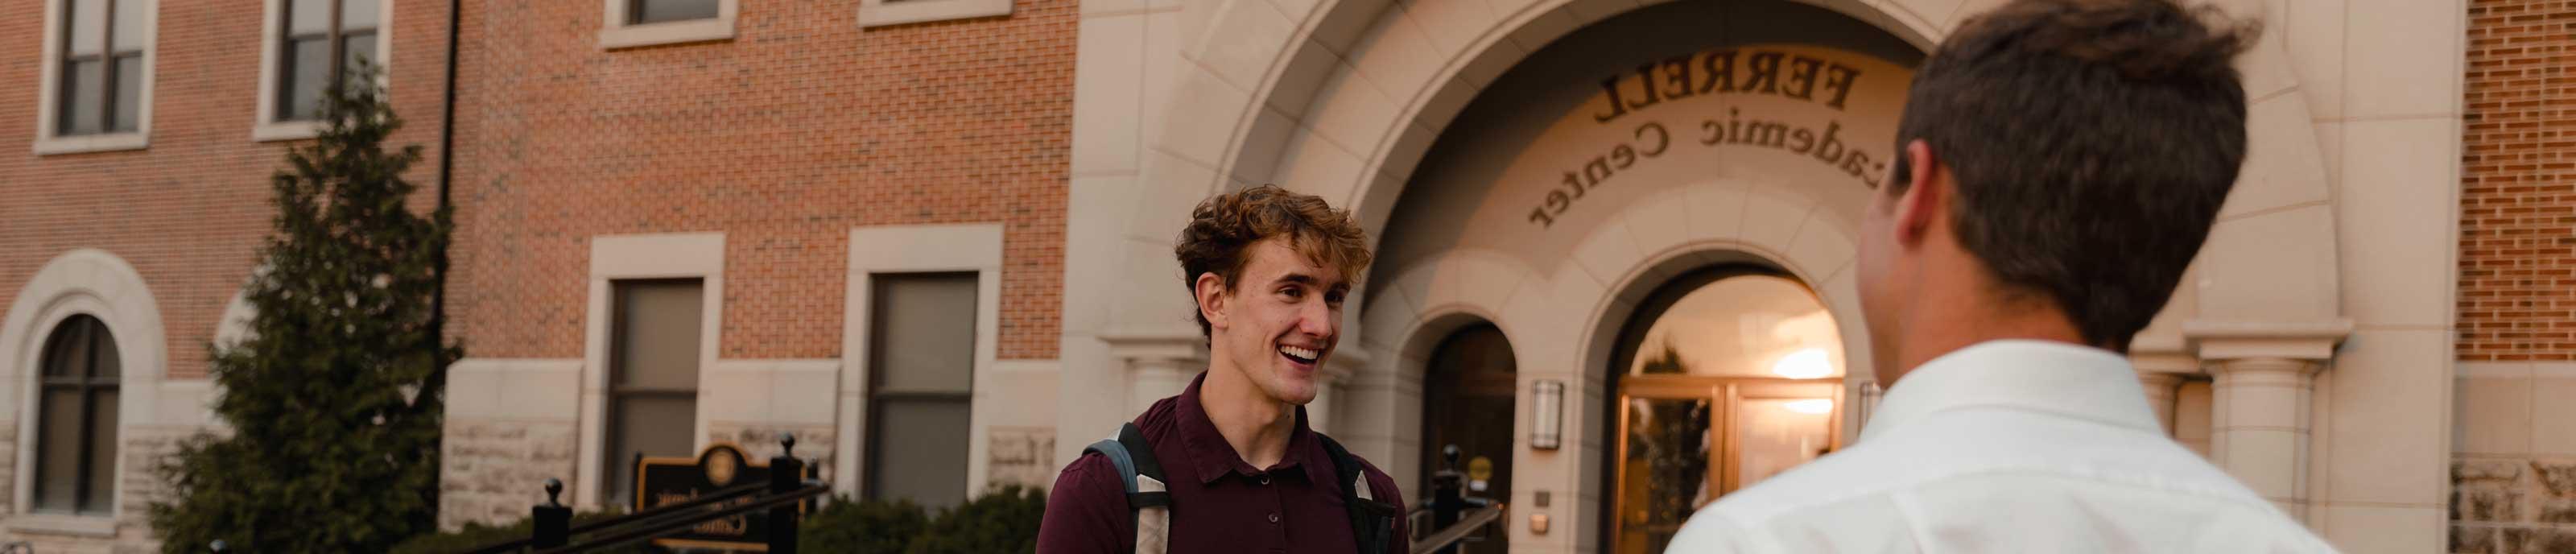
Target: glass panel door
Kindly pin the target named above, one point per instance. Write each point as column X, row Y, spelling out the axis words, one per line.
column 1689, row 440
column 1667, row 465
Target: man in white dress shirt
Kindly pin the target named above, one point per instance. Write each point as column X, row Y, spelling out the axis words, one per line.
column 2062, row 163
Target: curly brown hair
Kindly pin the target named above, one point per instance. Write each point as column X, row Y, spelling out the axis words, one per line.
column 1222, row 228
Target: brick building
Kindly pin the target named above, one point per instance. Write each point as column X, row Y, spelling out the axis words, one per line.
column 931, row 239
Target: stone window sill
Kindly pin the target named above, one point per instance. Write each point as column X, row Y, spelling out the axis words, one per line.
column 877, row 13
column 92, row 143
column 656, row 34
column 63, row 524
column 285, row 130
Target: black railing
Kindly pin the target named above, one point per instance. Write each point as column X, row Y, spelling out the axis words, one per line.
column 783, row 499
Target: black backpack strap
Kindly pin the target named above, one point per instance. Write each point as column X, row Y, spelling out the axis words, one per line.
column 1372, row 521
column 1142, row 455
column 1141, row 475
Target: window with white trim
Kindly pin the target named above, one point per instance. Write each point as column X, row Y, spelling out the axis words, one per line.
column 97, row 75
column 633, row 23
column 76, row 420
column 922, row 360
column 878, row 13
column 653, row 376
column 307, row 45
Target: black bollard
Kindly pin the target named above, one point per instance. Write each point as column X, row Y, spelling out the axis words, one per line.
column 1448, row 493
column 786, row 474
column 553, row 519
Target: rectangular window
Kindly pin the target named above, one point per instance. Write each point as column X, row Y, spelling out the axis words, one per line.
column 76, row 426
column 922, row 377
column 879, row 13
column 664, row 11
column 652, row 377
column 322, row 41
column 634, row 23
column 97, row 72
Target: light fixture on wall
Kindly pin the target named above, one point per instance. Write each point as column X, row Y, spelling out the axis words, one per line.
column 1547, row 409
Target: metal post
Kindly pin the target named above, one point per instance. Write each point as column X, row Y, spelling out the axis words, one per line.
column 1448, row 497
column 553, row 519
column 786, row 474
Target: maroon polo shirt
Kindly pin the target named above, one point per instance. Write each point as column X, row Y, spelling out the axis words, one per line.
column 1219, row 502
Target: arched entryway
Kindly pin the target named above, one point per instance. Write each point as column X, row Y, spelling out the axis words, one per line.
column 1730, row 374
column 1347, row 99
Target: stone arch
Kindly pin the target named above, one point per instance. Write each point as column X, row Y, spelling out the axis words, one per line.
column 1343, row 98
column 98, row 284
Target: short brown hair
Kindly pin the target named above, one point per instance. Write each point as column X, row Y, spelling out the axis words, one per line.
column 1223, row 227
column 2092, row 141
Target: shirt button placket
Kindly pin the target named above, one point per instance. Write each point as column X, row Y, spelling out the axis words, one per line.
column 1278, row 532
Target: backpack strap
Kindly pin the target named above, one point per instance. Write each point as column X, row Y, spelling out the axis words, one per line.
column 1141, row 475
column 1372, row 522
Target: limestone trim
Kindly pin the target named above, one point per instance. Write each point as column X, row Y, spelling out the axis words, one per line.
column 101, row 285
column 49, row 89
column 2303, row 340
column 971, row 247
column 63, row 525
column 644, row 256
column 615, row 32
column 1156, row 361
column 879, row 13
column 272, row 41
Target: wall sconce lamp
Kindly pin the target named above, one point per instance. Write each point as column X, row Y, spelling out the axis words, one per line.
column 1547, row 414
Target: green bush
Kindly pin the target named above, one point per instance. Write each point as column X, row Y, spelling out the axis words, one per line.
column 863, row 526
column 1005, row 520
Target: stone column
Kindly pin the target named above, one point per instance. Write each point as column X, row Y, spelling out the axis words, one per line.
column 2265, row 373
column 1157, row 363
column 2163, row 362
column 2261, row 427
column 2160, row 394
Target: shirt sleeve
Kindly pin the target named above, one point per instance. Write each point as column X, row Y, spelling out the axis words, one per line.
column 1087, row 511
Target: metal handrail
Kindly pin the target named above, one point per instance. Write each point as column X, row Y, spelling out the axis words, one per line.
column 810, row 490
column 719, row 495
column 1467, row 524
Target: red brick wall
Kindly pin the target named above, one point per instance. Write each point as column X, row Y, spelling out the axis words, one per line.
column 784, row 138
column 189, row 211
column 2518, row 203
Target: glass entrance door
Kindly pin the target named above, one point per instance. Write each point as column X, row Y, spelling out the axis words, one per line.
column 1689, row 440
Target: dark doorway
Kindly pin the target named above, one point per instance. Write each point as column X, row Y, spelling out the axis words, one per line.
column 1467, row 394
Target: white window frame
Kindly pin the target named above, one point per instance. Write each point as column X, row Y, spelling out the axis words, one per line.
column 48, row 139
column 271, row 39
column 879, row 13
column 101, row 285
column 615, row 33
column 647, row 256
column 975, row 247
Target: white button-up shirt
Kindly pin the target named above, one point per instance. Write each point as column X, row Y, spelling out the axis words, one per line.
column 2005, row 446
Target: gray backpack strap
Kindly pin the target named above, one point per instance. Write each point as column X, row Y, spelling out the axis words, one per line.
column 1142, row 477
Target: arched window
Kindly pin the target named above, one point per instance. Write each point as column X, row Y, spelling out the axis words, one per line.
column 76, row 420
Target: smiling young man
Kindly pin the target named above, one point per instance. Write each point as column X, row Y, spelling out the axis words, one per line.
column 1229, row 465
column 2062, row 162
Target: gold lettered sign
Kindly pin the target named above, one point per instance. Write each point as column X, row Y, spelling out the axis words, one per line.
column 670, row 480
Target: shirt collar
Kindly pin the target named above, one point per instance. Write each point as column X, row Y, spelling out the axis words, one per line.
column 2049, row 377
column 1211, row 457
